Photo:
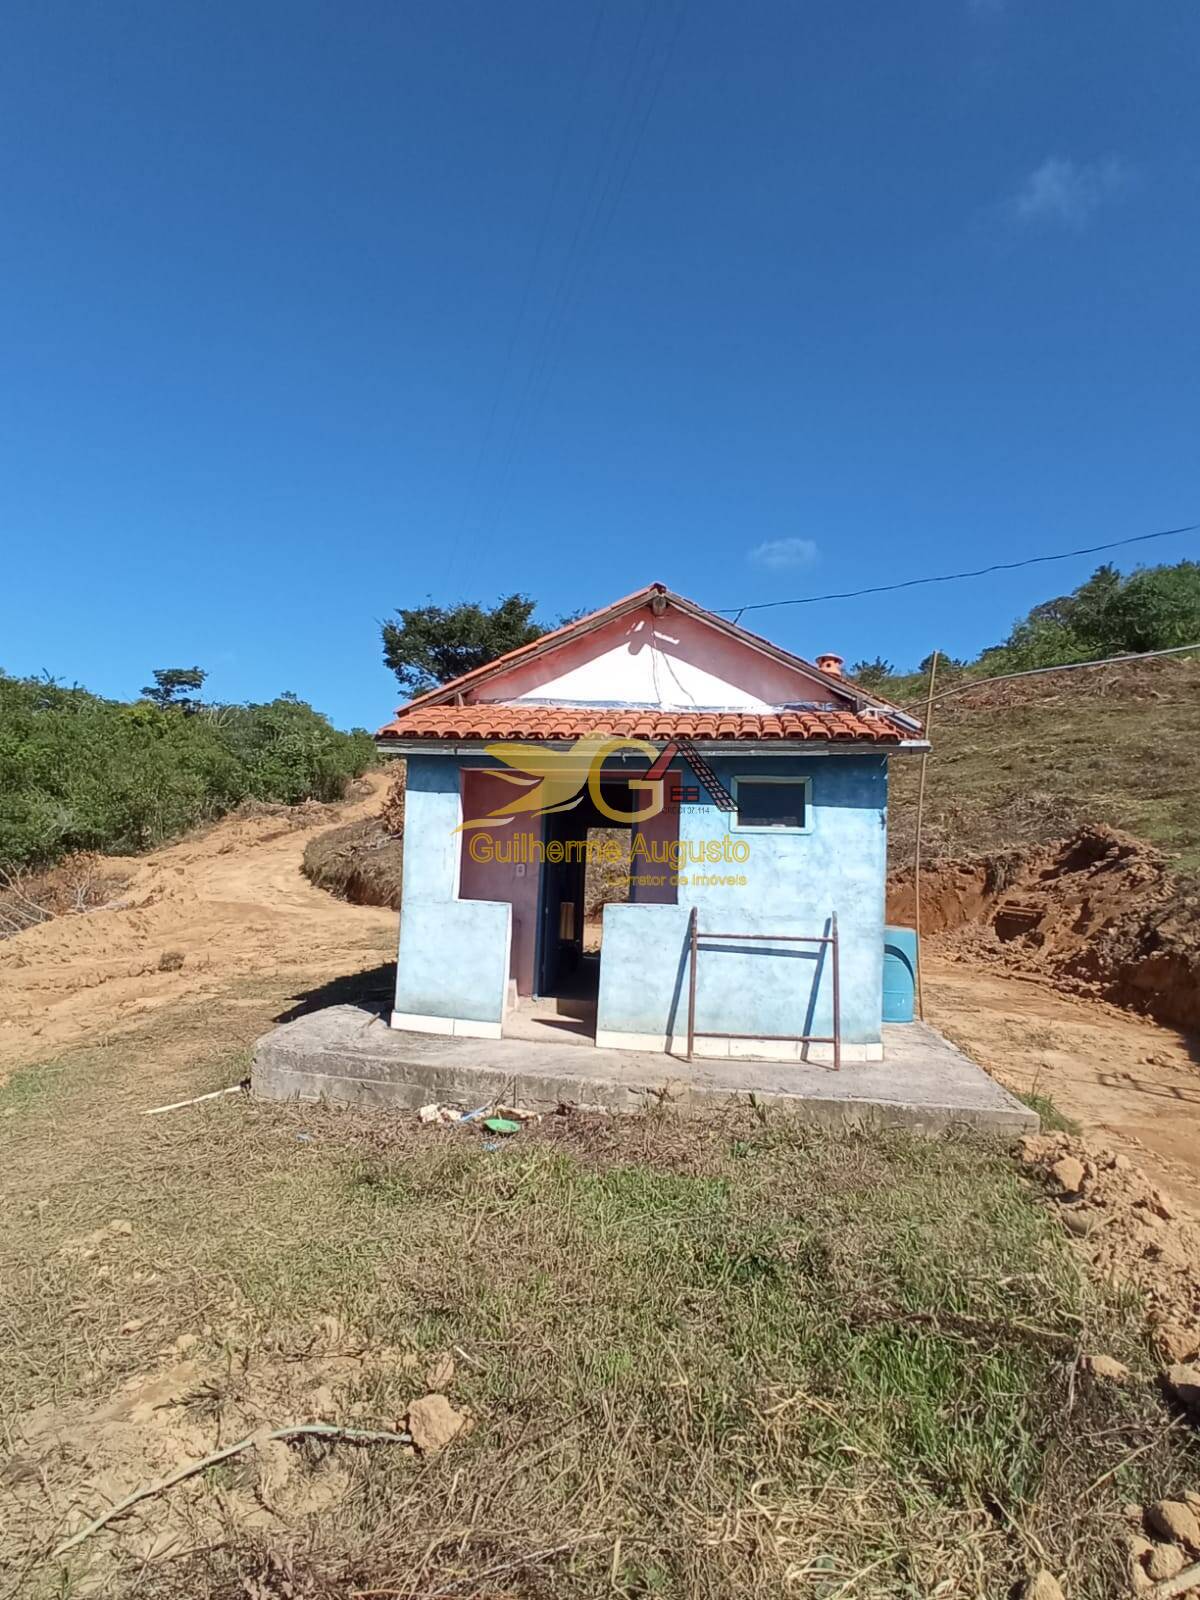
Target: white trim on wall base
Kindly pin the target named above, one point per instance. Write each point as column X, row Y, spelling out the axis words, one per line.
column 737, row 1049
column 456, row 1027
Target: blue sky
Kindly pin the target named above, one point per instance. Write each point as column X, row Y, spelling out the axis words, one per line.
column 311, row 311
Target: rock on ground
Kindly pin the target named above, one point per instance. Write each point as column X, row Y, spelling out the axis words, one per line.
column 1107, row 1367
column 433, row 1423
column 1176, row 1521
column 1164, row 1561
column 1183, row 1380
column 1070, row 1173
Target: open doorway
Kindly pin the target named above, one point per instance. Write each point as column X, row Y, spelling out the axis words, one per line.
column 606, row 880
column 590, row 869
column 588, row 863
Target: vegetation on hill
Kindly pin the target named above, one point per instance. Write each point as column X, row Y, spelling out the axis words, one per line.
column 1033, row 760
column 79, row 772
column 1029, row 761
column 1153, row 608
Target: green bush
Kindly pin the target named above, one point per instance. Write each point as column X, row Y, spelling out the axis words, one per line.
column 1151, row 608
column 78, row 772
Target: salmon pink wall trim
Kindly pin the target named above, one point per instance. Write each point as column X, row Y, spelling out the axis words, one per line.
column 492, row 880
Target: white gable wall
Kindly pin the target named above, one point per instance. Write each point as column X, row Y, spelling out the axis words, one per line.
column 675, row 662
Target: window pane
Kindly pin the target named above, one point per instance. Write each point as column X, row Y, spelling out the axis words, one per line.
column 770, row 805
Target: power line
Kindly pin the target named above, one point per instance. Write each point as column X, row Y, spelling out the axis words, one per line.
column 953, row 577
column 1066, row 666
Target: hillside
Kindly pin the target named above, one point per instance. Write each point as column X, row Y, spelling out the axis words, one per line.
column 222, row 912
column 1030, row 761
column 79, row 772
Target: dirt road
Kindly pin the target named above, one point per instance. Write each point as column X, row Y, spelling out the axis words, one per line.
column 225, row 904
column 1128, row 1082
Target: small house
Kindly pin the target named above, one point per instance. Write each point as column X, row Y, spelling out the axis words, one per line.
column 728, row 797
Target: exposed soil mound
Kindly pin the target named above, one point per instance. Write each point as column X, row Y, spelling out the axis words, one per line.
column 953, row 892
column 361, row 862
column 1100, row 912
column 1134, row 1236
column 1132, row 1231
column 392, row 812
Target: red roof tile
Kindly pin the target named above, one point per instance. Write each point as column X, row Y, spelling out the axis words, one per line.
column 483, row 721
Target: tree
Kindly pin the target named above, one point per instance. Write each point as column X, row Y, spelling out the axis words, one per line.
column 948, row 666
column 1152, row 608
column 872, row 673
column 428, row 645
column 169, row 685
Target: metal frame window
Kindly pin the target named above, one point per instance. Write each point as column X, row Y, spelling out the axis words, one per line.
column 804, row 784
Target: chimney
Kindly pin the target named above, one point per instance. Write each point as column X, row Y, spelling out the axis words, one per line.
column 831, row 664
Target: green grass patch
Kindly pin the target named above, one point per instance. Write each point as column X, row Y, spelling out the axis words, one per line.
column 1053, row 1120
column 704, row 1359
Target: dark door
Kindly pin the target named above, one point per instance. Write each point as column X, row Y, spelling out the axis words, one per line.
column 561, row 900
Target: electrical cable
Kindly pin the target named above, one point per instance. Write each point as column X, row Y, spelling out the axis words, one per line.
column 953, row 577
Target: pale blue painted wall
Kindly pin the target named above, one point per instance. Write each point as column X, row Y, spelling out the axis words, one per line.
column 454, row 954
column 454, row 959
column 793, row 882
column 432, row 811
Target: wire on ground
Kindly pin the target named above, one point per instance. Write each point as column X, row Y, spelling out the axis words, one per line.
column 1065, row 666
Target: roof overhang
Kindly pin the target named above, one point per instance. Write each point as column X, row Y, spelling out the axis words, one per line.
column 752, row 749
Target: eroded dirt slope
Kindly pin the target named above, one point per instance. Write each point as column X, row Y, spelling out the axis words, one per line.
column 221, row 905
column 1025, row 762
column 1099, row 912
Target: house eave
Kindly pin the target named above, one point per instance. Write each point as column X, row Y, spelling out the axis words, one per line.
column 750, row 748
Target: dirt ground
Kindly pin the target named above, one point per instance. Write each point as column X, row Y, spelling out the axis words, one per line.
column 225, row 904
column 1098, row 913
column 197, row 1278
column 1123, row 1078
column 201, row 917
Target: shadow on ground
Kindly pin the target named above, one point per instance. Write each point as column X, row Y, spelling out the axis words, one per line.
column 375, row 986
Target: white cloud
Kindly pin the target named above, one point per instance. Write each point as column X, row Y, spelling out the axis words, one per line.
column 778, row 555
column 1066, row 193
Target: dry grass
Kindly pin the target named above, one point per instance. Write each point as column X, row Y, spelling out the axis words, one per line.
column 1028, row 762
column 361, row 862
column 81, row 882
column 731, row 1358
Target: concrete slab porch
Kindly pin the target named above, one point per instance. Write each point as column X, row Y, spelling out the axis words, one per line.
column 348, row 1055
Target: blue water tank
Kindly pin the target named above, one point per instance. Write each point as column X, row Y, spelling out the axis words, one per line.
column 899, row 973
